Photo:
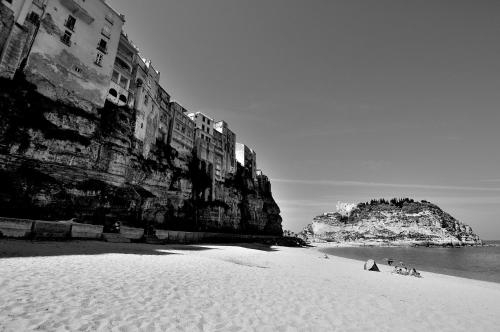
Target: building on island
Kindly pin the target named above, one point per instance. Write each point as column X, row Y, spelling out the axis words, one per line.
column 247, row 158
column 119, row 90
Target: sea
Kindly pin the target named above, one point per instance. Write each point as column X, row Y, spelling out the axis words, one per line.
column 481, row 263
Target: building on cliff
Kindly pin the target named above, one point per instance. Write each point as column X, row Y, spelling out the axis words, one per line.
column 229, row 147
column 204, row 137
column 119, row 91
column 19, row 22
column 166, row 116
column 219, row 171
column 70, row 52
column 146, row 85
column 204, row 145
column 247, row 158
column 182, row 129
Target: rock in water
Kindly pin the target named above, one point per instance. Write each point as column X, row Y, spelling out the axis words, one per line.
column 395, row 222
column 370, row 265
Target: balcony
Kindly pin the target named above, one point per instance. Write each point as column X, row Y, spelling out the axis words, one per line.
column 77, row 10
column 39, row 3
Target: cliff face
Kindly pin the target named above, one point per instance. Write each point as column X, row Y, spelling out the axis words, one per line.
column 60, row 162
column 405, row 223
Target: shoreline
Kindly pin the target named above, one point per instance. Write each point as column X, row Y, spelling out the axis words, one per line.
column 392, row 245
column 93, row 285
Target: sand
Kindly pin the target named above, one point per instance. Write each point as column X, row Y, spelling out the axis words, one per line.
column 97, row 286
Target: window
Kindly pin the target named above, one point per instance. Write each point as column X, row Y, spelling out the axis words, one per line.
column 66, row 38
column 106, row 31
column 203, row 127
column 98, row 59
column 33, row 18
column 113, row 92
column 115, row 77
column 70, row 23
column 208, row 121
column 124, row 82
column 77, row 69
column 102, row 46
column 109, row 18
column 123, row 99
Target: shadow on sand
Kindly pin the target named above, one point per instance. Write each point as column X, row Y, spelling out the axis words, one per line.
column 11, row 248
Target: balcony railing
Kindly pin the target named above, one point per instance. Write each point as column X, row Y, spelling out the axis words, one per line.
column 77, row 10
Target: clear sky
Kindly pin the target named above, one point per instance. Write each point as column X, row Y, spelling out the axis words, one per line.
column 343, row 100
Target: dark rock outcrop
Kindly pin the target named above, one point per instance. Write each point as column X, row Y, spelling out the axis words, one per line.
column 60, row 162
column 404, row 222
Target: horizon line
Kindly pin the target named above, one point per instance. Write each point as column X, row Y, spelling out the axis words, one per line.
column 382, row 184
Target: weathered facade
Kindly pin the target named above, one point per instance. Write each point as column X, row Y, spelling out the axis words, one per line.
column 182, row 129
column 146, row 81
column 204, row 139
column 74, row 50
column 219, row 171
column 119, row 91
column 247, row 158
column 166, row 116
column 19, row 23
column 229, row 147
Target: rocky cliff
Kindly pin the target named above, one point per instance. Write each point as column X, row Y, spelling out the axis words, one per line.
column 61, row 162
column 395, row 222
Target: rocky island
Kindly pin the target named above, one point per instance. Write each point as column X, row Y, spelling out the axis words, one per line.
column 395, row 222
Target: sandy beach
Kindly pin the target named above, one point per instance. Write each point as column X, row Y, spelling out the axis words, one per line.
column 98, row 286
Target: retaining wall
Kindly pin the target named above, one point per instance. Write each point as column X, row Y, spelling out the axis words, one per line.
column 39, row 229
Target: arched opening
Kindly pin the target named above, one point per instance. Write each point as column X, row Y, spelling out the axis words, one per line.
column 113, row 92
column 123, row 99
column 139, row 83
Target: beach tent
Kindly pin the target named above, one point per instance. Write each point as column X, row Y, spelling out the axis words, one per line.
column 370, row 265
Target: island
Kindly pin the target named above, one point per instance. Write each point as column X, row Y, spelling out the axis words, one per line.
column 395, row 222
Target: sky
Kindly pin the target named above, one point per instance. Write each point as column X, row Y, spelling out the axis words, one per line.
column 343, row 100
